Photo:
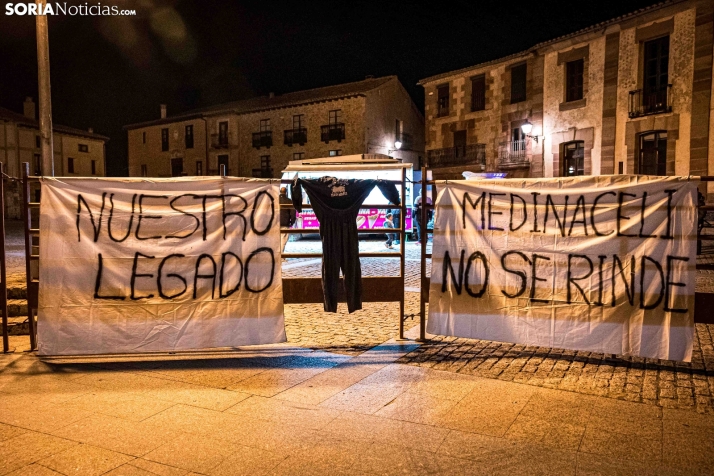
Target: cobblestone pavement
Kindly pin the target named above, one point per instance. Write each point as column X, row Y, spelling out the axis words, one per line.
column 662, row 383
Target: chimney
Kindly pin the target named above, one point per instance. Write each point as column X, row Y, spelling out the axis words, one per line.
column 91, row 130
column 163, row 111
column 271, row 95
column 28, row 108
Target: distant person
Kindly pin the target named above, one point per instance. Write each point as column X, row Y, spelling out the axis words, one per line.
column 287, row 216
column 390, row 236
column 396, row 215
column 416, row 214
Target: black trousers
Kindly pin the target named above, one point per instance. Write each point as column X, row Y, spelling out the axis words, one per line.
column 340, row 251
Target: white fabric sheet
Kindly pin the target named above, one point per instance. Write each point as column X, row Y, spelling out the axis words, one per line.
column 585, row 294
column 207, row 274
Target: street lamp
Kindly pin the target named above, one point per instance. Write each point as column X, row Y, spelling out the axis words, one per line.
column 397, row 144
column 527, row 127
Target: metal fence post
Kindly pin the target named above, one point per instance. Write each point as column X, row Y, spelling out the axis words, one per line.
column 3, row 264
column 26, row 214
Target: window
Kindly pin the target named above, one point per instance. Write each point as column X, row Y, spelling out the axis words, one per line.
column 518, row 139
column 335, row 117
column 459, row 143
column 264, row 125
column 518, row 83
column 265, row 162
column 478, row 92
column 83, row 147
column 164, row 140
column 199, row 167
column 188, row 137
column 144, row 171
column 620, row 168
column 143, row 137
column 94, row 167
column 442, row 101
column 223, row 133
column 37, row 165
column 573, row 159
column 70, row 165
column 37, row 142
column 335, row 153
column 656, row 65
column 298, row 121
column 574, row 80
column 298, row 155
column 653, row 153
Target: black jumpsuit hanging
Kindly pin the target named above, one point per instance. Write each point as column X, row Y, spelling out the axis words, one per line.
column 336, row 203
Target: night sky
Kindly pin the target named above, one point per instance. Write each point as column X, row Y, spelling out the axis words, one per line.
column 110, row 71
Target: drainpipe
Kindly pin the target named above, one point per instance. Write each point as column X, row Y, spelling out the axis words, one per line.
column 205, row 124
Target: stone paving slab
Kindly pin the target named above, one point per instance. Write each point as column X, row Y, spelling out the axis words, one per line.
column 375, row 416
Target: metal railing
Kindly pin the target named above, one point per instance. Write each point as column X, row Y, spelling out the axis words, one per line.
column 332, row 132
column 513, row 154
column 643, row 103
column 295, row 136
column 473, row 154
column 262, row 139
column 219, row 141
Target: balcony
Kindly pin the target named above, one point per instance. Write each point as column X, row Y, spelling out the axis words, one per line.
column 644, row 103
column 407, row 141
column 474, row 154
column 332, row 132
column 295, row 136
column 219, row 141
column 262, row 139
column 263, row 173
column 512, row 155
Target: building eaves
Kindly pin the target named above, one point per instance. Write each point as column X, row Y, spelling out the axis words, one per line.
column 533, row 49
column 22, row 120
column 265, row 103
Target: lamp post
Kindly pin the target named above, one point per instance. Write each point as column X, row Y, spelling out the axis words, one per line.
column 45, row 97
column 397, row 146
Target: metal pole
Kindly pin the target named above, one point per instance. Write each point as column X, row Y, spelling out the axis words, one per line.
column 3, row 267
column 26, row 213
column 422, row 237
column 402, row 249
column 43, row 82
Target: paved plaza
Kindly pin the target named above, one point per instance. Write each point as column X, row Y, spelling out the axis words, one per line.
column 343, row 396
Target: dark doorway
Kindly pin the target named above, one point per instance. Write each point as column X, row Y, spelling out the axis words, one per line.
column 573, row 159
column 653, row 153
column 176, row 167
column 222, row 160
column 459, row 143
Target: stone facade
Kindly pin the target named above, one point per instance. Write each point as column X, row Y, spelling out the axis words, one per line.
column 77, row 153
column 609, row 121
column 368, row 109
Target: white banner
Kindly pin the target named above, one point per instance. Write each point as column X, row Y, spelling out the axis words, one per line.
column 147, row 265
column 602, row 264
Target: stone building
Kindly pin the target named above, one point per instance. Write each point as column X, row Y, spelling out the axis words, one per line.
column 77, row 153
column 257, row 137
column 631, row 95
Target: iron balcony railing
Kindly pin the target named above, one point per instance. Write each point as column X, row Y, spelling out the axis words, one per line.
column 295, row 136
column 645, row 102
column 407, row 141
column 332, row 132
column 262, row 139
column 513, row 154
column 473, row 154
column 219, row 141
